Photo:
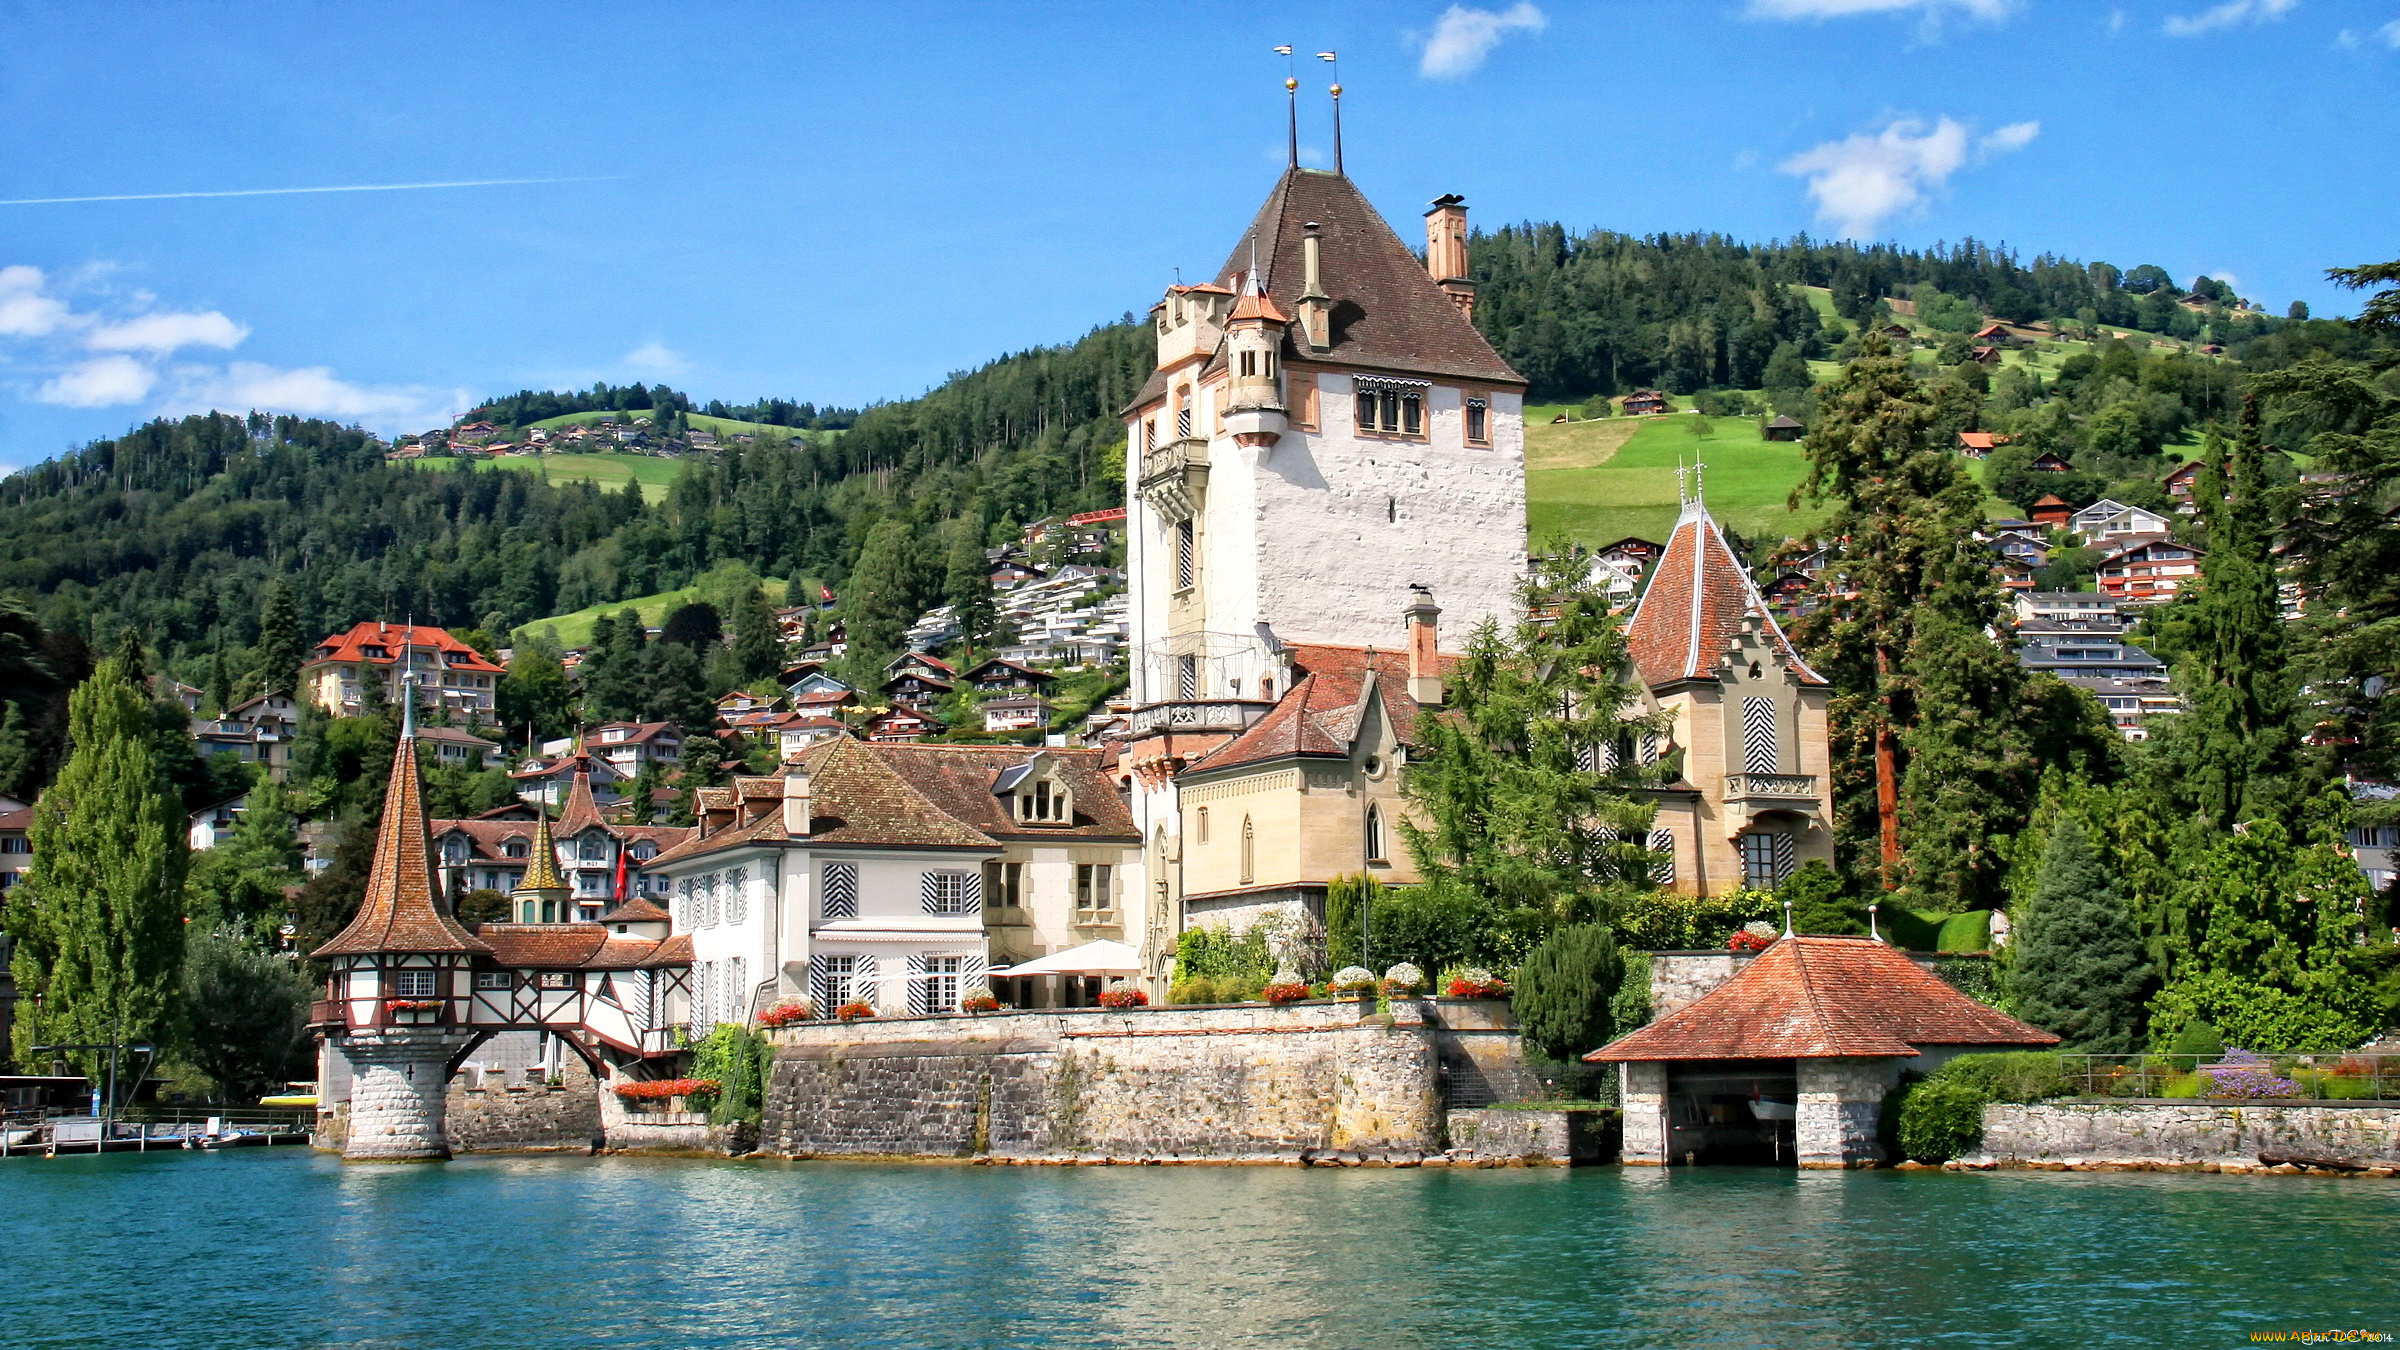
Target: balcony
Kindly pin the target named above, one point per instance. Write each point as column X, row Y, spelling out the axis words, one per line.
column 1172, row 474
column 1749, row 794
column 1217, row 714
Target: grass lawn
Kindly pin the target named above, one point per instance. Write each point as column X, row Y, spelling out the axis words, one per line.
column 722, row 426
column 575, row 630
column 609, row 471
column 1630, row 489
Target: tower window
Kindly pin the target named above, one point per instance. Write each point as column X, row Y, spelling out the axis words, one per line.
column 1479, row 414
column 1183, row 414
column 1200, row 824
column 1390, row 408
column 1249, row 363
column 1374, row 834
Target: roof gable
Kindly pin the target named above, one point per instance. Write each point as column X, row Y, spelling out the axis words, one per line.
column 1699, row 601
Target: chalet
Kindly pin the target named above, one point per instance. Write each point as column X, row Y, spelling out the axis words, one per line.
column 2183, row 484
column 791, row 622
column 440, row 665
column 259, row 731
column 1621, row 583
column 2052, row 512
column 2067, row 607
column 16, row 841
column 913, row 688
column 900, row 724
column 1782, row 427
column 454, row 748
column 550, row 780
column 796, row 731
column 2020, row 549
column 1011, row 574
column 1787, row 593
column 213, row 825
column 475, row 433
column 2107, row 520
column 1899, row 335
column 741, row 703
column 1985, row 356
column 1788, row 1061
column 2147, row 569
column 628, row 746
column 923, row 663
column 1998, row 335
column 824, row 702
column 1632, row 551
column 1977, row 444
column 2049, row 461
column 538, row 435
column 1644, row 402
column 996, row 676
column 1024, row 713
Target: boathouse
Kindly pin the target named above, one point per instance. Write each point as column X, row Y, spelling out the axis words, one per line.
column 1788, row 1061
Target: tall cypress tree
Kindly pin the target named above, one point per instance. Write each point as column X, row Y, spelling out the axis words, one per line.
column 2078, row 967
column 282, row 645
column 2242, row 734
column 967, row 583
column 99, row 919
column 881, row 599
column 757, row 638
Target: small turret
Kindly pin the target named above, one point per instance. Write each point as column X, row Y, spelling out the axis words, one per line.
column 1254, row 411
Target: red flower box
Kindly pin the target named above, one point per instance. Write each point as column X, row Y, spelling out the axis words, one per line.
column 1124, row 998
column 1462, row 987
column 413, row 1004
column 1285, row 993
column 855, row 1011
column 784, row 1014
column 660, row 1089
column 979, row 1003
column 1749, row 942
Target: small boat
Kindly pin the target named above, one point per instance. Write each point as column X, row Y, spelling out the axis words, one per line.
column 1766, row 1110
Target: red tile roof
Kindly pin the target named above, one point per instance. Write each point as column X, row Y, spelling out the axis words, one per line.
column 1320, row 714
column 582, row 811
column 1699, row 598
column 855, row 798
column 392, row 638
column 399, row 913
column 1822, row 998
column 638, row 909
column 958, row 779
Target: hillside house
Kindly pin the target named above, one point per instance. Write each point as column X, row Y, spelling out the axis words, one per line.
column 1024, row 713
column 2107, row 520
column 998, row 676
column 914, row 689
column 212, row 825
column 453, row 748
column 741, row 703
column 1645, row 402
column 2091, row 656
column 16, row 842
column 2067, row 607
column 796, row 731
column 2050, row 461
column 439, row 665
column 2131, row 703
column 1632, row 552
column 628, row 746
column 922, row 663
column 899, row 725
column 1977, row 444
column 1998, row 335
column 2182, row 484
column 2147, row 569
column 550, row 780
column 2052, row 512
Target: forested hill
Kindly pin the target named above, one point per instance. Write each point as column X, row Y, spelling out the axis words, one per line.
column 177, row 528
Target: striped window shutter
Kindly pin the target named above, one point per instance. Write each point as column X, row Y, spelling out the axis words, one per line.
column 1649, row 747
column 920, row 990
column 970, row 971
column 737, row 991
column 1662, row 871
column 1758, row 734
column 862, row 981
column 971, row 888
column 820, row 986
column 1787, row 857
column 841, row 890
column 929, row 890
column 1587, row 758
column 737, row 895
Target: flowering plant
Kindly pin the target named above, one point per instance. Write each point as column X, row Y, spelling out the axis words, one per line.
column 2243, row 1074
column 979, row 1000
column 1404, row 978
column 659, row 1089
column 413, row 1004
column 1123, row 995
column 1476, row 982
column 784, row 1014
column 1285, row 991
column 855, row 1010
column 1754, row 936
column 1352, row 980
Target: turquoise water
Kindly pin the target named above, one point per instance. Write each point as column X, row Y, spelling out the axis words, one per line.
column 276, row 1249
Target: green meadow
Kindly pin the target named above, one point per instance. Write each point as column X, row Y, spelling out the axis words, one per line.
column 609, row 471
column 1597, row 482
column 575, row 630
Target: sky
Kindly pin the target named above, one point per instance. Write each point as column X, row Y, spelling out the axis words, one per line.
column 845, row 203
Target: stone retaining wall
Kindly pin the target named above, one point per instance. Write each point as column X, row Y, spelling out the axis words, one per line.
column 2186, row 1133
column 1502, row 1136
column 1316, row 1081
column 492, row 1117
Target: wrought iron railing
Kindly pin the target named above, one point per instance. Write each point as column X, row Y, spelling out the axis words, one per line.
column 2350, row 1075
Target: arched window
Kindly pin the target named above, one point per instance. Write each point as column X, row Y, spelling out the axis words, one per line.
column 1374, row 834
column 1249, row 852
column 516, row 848
column 1200, row 824
column 454, row 851
column 595, row 848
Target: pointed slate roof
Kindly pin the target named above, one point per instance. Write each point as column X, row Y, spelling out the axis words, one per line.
column 1822, row 998
column 541, row 864
column 582, row 811
column 1700, row 597
column 399, row 913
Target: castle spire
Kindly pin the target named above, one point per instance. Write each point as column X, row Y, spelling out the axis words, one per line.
column 399, row 912
column 1337, row 107
column 1291, row 109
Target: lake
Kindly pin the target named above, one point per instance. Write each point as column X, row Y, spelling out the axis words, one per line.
column 275, row 1249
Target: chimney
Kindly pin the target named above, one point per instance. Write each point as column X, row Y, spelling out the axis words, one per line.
column 1315, row 306
column 1424, row 659
column 1446, row 251
column 795, row 804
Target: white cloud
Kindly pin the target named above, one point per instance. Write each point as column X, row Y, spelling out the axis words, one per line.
column 2227, row 15
column 1860, row 181
column 656, row 358
column 1463, row 37
column 101, row 382
column 24, row 310
column 312, row 391
column 1994, row 10
column 2390, row 33
column 160, row 334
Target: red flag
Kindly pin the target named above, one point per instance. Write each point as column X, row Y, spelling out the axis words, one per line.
column 825, row 595
column 620, row 873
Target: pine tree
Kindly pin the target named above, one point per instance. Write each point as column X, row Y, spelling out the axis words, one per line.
column 99, row 918
column 673, row 689
column 248, row 1023
column 1530, row 794
column 18, row 759
column 880, row 603
column 1564, row 990
column 757, row 638
column 281, row 643
column 967, row 584
column 2077, row 966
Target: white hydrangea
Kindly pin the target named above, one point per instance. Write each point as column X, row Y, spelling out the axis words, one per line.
column 1354, row 977
column 1405, row 976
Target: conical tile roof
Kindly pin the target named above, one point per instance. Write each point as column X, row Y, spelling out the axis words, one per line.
column 399, row 913
column 1698, row 601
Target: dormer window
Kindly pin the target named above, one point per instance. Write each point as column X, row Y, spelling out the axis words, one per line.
column 516, row 848
column 1042, row 802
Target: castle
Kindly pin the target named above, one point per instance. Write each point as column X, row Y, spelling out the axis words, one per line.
column 1324, row 469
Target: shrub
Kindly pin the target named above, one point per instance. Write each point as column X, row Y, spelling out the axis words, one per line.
column 734, row 1057
column 1940, row 1120
column 2009, row 1075
column 1630, row 1007
column 1564, row 991
column 979, row 1000
column 1665, row 921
